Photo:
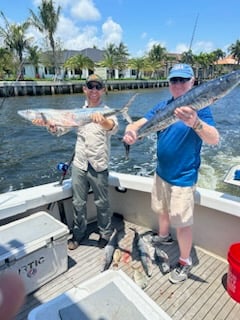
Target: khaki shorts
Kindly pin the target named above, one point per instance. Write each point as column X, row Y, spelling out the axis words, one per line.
column 176, row 201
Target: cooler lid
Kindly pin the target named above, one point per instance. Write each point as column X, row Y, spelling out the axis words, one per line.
column 29, row 234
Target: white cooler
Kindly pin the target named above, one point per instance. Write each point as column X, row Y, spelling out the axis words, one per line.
column 34, row 247
column 110, row 295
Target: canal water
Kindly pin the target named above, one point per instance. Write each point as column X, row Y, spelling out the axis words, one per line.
column 29, row 155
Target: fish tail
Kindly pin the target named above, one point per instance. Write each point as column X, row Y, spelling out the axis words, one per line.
column 125, row 115
column 124, row 110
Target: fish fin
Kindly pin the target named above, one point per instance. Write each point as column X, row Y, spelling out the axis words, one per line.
column 44, row 118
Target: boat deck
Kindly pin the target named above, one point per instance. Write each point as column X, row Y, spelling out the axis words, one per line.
column 202, row 296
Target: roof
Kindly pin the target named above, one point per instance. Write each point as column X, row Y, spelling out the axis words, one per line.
column 96, row 55
column 227, row 60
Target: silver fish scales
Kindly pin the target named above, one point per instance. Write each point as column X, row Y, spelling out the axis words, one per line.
column 110, row 249
column 68, row 119
column 198, row 98
column 143, row 253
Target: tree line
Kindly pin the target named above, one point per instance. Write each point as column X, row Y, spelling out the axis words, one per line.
column 18, row 48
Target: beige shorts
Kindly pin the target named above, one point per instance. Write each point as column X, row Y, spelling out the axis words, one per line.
column 177, row 202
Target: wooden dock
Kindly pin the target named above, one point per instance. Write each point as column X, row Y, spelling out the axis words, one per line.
column 202, row 296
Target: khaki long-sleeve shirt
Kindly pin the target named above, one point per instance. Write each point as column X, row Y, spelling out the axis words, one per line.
column 93, row 145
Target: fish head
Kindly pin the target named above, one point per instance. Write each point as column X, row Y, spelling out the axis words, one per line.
column 30, row 114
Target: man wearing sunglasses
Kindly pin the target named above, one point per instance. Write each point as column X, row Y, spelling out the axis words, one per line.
column 90, row 166
column 178, row 162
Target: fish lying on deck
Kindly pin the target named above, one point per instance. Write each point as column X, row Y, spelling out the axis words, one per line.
column 143, row 253
column 110, row 249
column 197, row 98
column 67, row 119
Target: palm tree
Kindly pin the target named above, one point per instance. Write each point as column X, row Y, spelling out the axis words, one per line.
column 34, row 57
column 6, row 64
column 79, row 62
column 139, row 64
column 153, row 66
column 110, row 59
column 14, row 38
column 205, row 61
column 235, row 51
column 217, row 54
column 156, row 57
column 157, row 53
column 187, row 57
column 46, row 22
column 122, row 54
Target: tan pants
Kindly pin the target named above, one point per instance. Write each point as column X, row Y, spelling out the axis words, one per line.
column 178, row 202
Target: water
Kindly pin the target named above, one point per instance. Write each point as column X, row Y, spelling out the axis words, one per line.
column 29, row 155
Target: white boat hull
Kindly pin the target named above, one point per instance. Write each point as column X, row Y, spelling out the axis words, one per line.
column 216, row 215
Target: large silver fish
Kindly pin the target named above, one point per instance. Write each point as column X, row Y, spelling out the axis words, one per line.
column 110, row 249
column 67, row 119
column 197, row 98
column 143, row 253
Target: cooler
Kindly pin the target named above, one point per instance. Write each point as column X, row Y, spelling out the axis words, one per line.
column 34, row 247
column 110, row 295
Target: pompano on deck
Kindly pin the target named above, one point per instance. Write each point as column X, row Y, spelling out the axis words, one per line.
column 198, row 98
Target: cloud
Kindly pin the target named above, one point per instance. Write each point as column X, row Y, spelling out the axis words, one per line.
column 197, row 47
column 85, row 10
column 181, row 47
column 112, row 32
column 203, row 46
column 86, row 39
column 76, row 38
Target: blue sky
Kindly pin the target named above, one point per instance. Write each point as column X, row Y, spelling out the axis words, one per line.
column 139, row 24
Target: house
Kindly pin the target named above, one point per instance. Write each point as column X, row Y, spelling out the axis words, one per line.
column 48, row 72
column 227, row 64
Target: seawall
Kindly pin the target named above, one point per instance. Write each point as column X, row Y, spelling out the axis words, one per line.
column 32, row 88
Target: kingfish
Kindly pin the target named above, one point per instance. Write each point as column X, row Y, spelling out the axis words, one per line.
column 143, row 253
column 197, row 98
column 65, row 120
column 110, row 249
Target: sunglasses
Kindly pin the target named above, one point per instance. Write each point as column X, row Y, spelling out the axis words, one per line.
column 97, row 86
column 179, row 80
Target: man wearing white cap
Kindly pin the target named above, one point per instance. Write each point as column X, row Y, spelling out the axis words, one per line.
column 178, row 154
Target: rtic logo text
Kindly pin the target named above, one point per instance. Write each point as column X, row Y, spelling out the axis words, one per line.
column 31, row 268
